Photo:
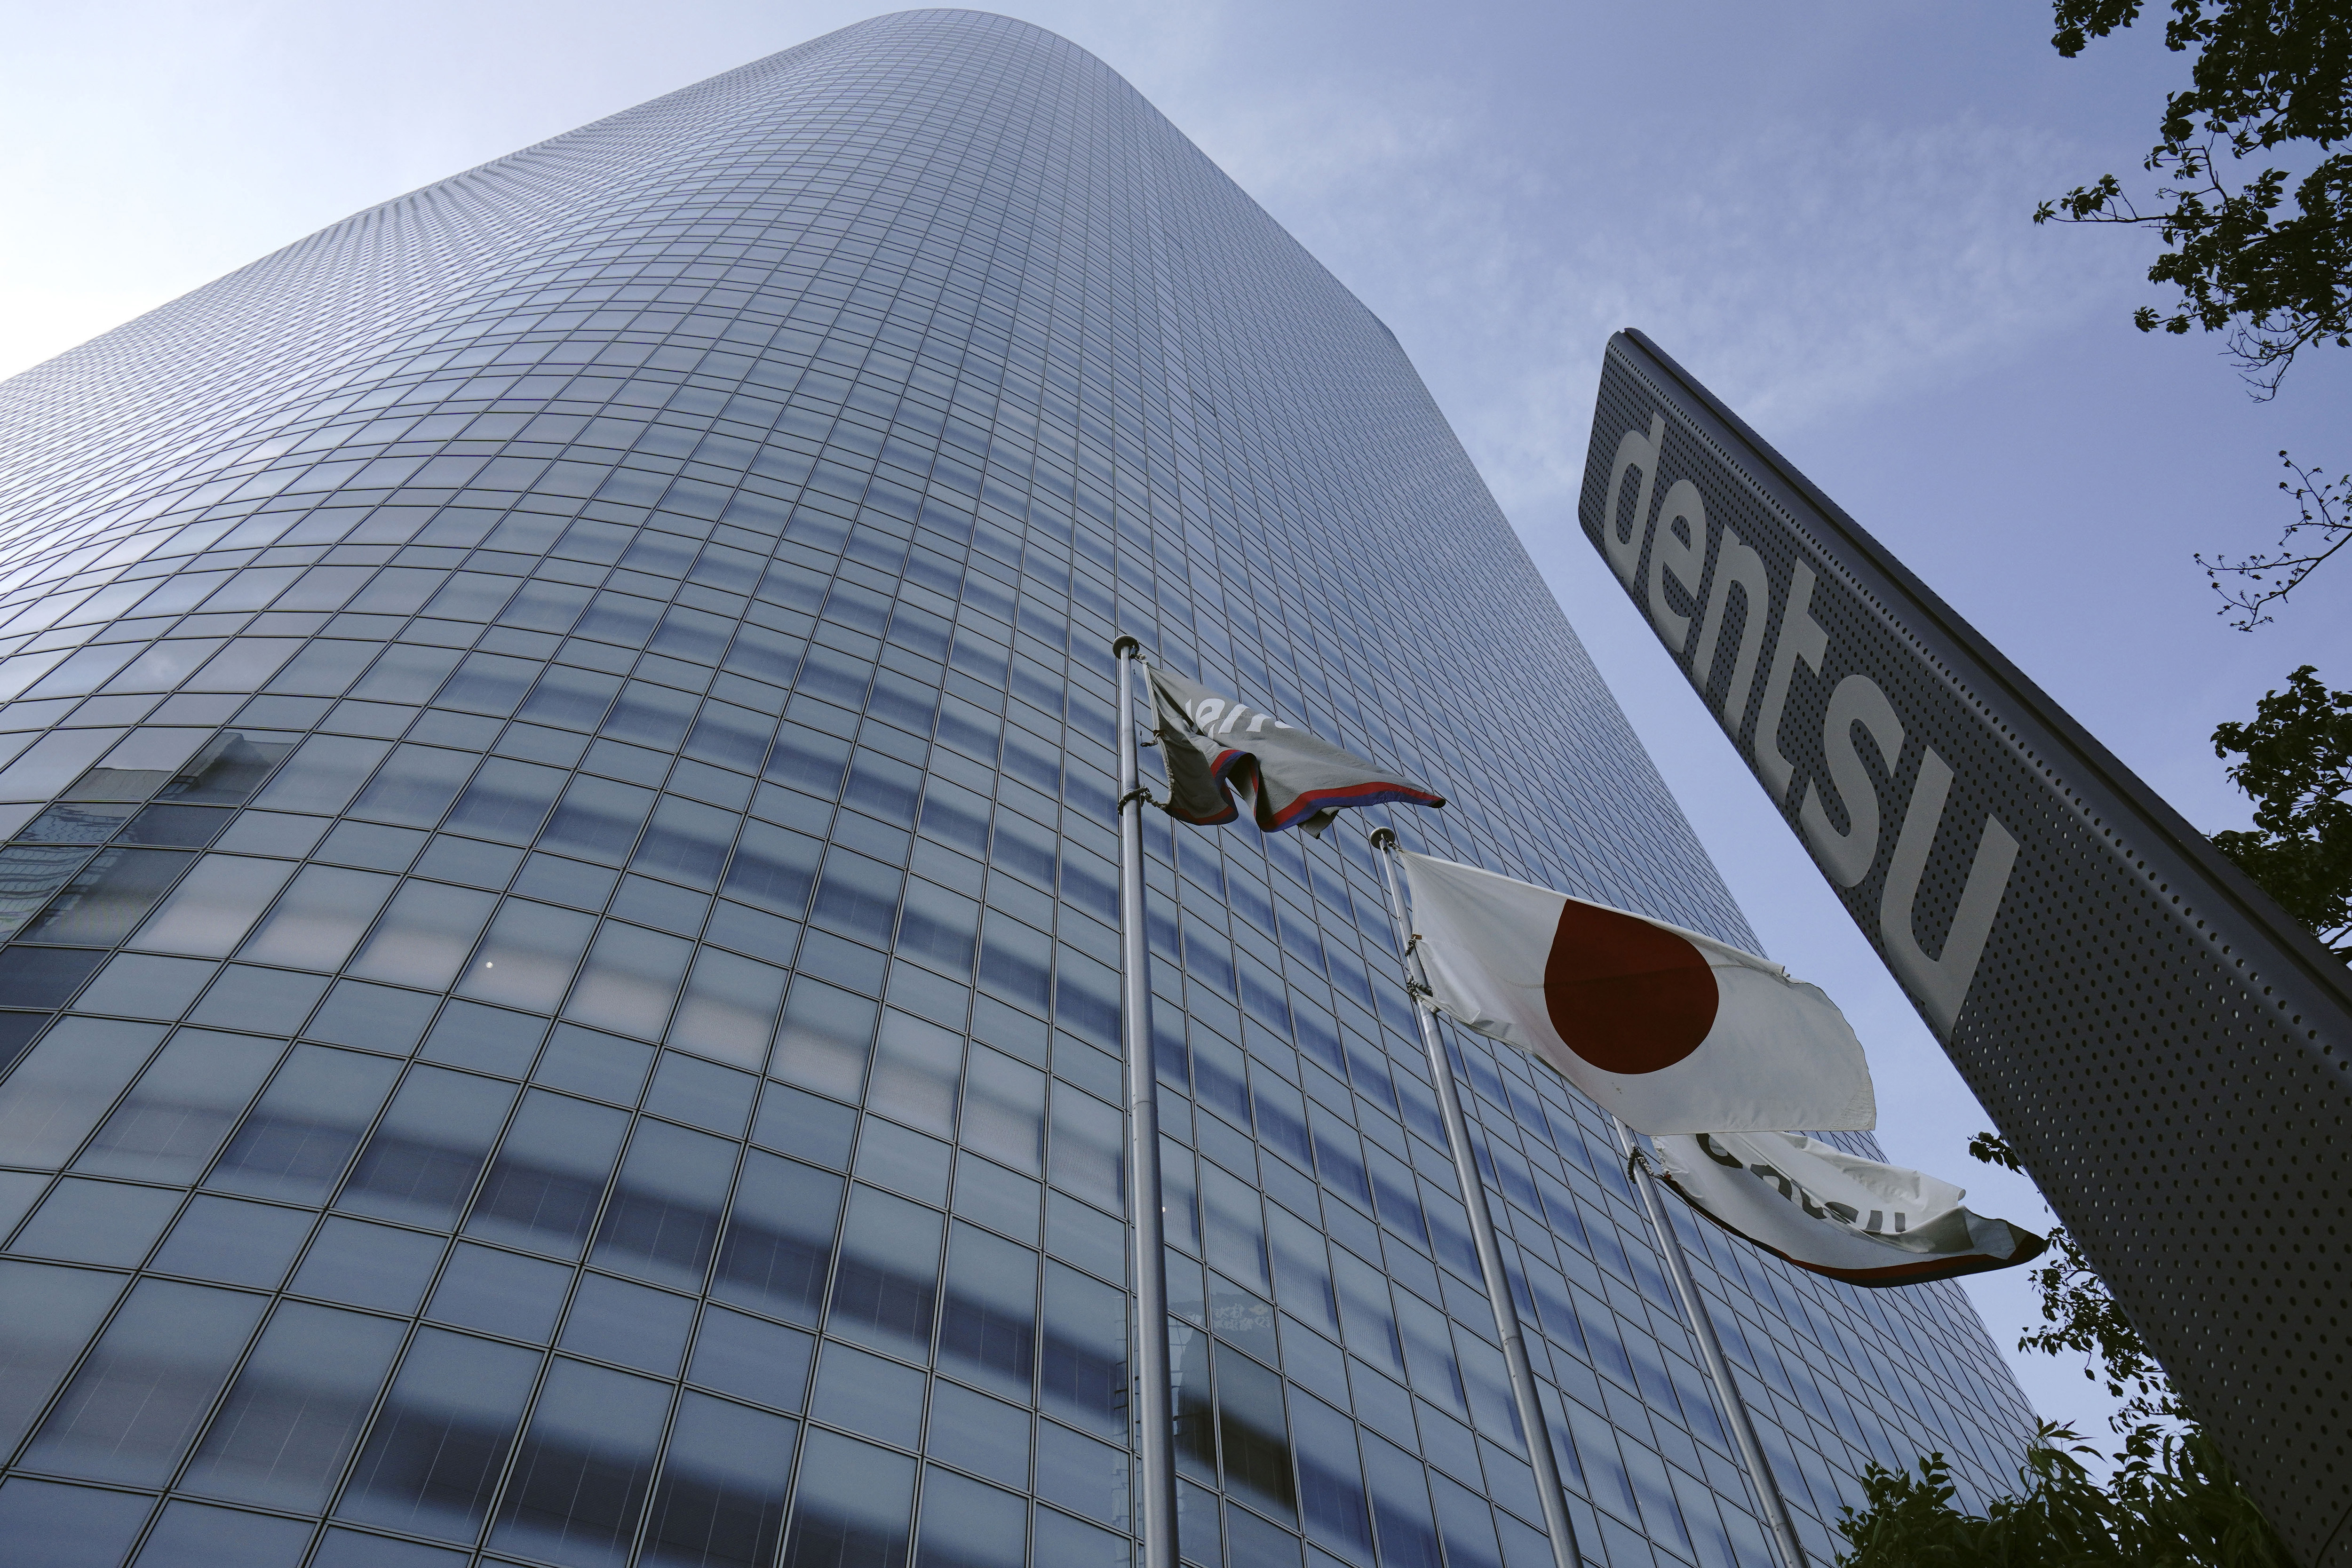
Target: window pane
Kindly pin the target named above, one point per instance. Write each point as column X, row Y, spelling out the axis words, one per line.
column 527, row 959
column 687, row 843
column 1330, row 1485
column 211, row 910
column 420, row 1166
column 296, row 1142
column 1004, row 1110
column 774, row 867
column 425, row 936
column 191, row 1535
column 68, row 1527
column 1084, row 1364
column 721, row 1500
column 582, row 1478
column 507, row 801
column 917, row 1071
column 825, row 1038
column 662, row 1223
column 436, row 1448
column 1255, row 1440
column 324, row 773
column 730, row 1008
column 887, row 1286
column 234, row 1242
column 598, row 819
column 988, row 1319
column 750, row 1359
column 100, row 906
column 50, row 1313
column 543, row 1189
column 294, row 1414
column 130, row 1412
column 631, row 981
column 515, row 1298
column 59, row 1092
column 321, row 918
column 851, row 1509
column 168, row 1128
column 415, row 785
column 779, row 1238
column 574, row 699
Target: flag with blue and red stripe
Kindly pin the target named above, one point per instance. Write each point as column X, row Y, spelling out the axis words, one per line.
column 1224, row 755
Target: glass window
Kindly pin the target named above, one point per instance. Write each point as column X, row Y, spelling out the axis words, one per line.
column 437, row 1449
column 425, row 936
column 1083, row 1367
column 324, row 773
column 750, row 1359
column 1089, row 1148
column 67, row 1082
column 602, row 1066
column 651, row 715
column 233, row 1242
column 720, row 1503
column 687, row 843
column 549, row 1175
column 662, row 1223
column 50, row 1313
column 324, row 913
column 99, row 906
column 1081, row 1475
column 515, row 1298
column 294, row 1414
column 1330, row 1485
column 296, row 1142
column 367, row 1264
column 598, row 819
column 215, row 906
column 871, row 1396
column 421, row 1164
column 987, row 1323
column 774, row 867
column 581, row 1479
column 571, row 699
column 72, row 1527
column 173, row 1120
column 131, row 1410
column 507, row 801
column 1400, row 1505
column 631, row 980
column 635, row 1325
column 97, row 1222
column 825, row 1038
column 852, row 1505
column 191, row 1535
column 730, row 1008
column 526, row 960
column 917, row 1071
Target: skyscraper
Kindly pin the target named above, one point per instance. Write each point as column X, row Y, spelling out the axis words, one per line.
column 559, row 990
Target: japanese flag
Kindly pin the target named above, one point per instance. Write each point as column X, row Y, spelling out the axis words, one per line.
column 1672, row 1031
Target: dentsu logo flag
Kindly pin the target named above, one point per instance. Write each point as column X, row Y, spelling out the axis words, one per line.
column 2166, row 1048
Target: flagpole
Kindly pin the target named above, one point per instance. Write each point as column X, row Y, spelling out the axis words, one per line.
column 1711, row 1349
column 1556, row 1523
column 1146, row 1255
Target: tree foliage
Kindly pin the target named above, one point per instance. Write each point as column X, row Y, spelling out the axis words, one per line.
column 2263, row 581
column 2170, row 1499
column 2297, row 765
column 2272, row 80
column 2170, row 1503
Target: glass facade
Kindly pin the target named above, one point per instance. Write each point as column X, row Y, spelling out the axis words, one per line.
column 560, row 1000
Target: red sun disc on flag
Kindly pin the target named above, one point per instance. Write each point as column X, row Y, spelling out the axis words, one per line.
column 1625, row 995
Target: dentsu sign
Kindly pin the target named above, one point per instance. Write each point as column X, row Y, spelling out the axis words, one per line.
column 2162, row 1044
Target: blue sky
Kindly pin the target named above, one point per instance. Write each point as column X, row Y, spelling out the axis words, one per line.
column 1821, row 206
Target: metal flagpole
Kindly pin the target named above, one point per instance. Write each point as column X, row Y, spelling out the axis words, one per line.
column 1556, row 1523
column 1148, row 1260
column 1710, row 1350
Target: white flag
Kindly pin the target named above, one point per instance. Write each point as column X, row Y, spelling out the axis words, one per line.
column 1672, row 1031
column 1836, row 1214
column 1218, row 747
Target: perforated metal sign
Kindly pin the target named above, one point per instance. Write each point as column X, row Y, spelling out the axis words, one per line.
column 2161, row 1044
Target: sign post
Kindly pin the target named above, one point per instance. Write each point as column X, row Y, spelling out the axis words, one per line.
column 2169, row 1052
